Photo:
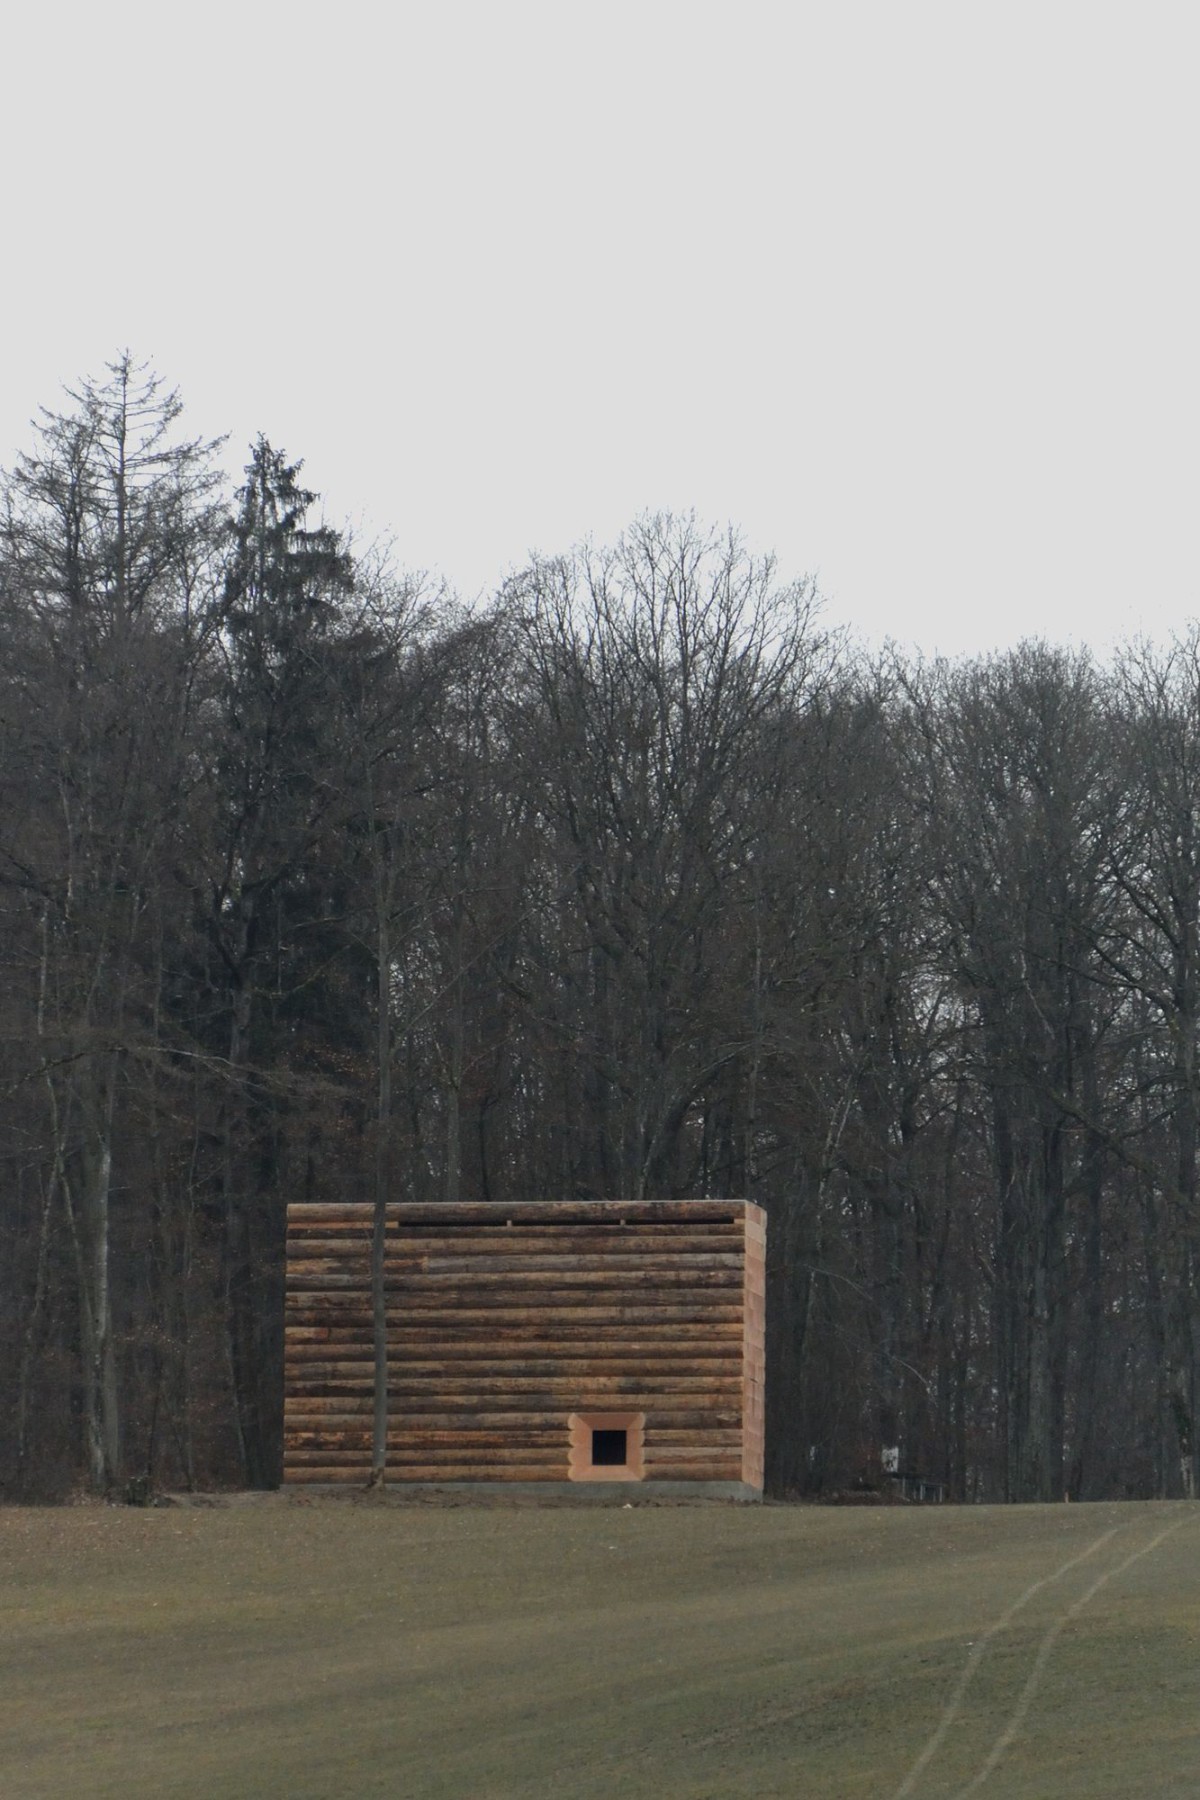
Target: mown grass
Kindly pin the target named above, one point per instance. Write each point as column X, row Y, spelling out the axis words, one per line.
column 322, row 1647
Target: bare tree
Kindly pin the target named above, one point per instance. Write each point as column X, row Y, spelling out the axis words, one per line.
column 657, row 674
column 107, row 528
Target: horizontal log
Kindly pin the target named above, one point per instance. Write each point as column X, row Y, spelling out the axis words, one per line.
column 356, row 1474
column 569, row 1275
column 645, row 1240
column 315, row 1362
column 485, row 1275
column 614, row 1299
column 528, row 1287
column 555, row 1439
column 494, row 1378
column 333, row 1474
column 329, row 1416
column 477, row 1346
column 401, row 1388
column 302, row 1261
column 699, row 1450
column 403, row 1385
column 717, row 1469
column 354, row 1346
column 527, row 1212
column 654, row 1240
column 304, row 1415
column 408, row 1409
column 664, row 1438
column 473, row 1472
column 650, row 1263
column 358, row 1222
column 682, row 1446
column 617, row 1303
column 672, row 1408
column 305, row 1342
column 511, row 1374
column 351, row 1414
column 501, row 1372
column 404, row 1327
column 615, row 1316
column 518, row 1308
column 401, row 1381
column 550, row 1456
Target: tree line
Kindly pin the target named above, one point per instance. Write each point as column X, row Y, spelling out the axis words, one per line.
column 635, row 883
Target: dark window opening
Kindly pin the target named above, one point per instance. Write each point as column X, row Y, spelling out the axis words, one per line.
column 609, row 1449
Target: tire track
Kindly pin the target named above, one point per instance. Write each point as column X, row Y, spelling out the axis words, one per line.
column 979, row 1650
column 1017, row 1717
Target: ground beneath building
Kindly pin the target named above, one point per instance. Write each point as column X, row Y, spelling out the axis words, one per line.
column 313, row 1647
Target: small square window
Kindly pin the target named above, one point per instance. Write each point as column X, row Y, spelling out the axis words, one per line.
column 607, row 1447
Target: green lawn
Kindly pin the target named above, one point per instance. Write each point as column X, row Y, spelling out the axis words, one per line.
column 326, row 1647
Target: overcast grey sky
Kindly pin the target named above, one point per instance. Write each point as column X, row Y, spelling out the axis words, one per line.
column 909, row 291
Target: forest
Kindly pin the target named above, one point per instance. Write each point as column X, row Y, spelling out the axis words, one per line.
column 635, row 883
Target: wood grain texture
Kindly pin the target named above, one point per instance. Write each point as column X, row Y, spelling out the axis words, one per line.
column 505, row 1322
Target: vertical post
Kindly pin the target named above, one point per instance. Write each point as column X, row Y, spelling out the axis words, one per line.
column 382, row 1150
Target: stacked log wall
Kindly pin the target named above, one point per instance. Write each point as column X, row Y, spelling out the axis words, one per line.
column 501, row 1324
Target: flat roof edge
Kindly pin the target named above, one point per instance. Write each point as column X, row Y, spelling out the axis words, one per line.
column 539, row 1212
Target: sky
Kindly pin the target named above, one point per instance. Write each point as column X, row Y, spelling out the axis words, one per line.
column 908, row 293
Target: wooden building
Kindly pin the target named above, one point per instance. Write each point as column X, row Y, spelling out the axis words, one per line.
column 549, row 1342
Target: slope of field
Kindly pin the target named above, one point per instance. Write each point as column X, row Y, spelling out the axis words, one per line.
column 321, row 1648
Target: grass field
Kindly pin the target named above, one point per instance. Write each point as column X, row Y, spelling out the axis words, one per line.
column 331, row 1648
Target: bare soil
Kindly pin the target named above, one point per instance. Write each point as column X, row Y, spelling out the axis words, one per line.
column 306, row 1646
